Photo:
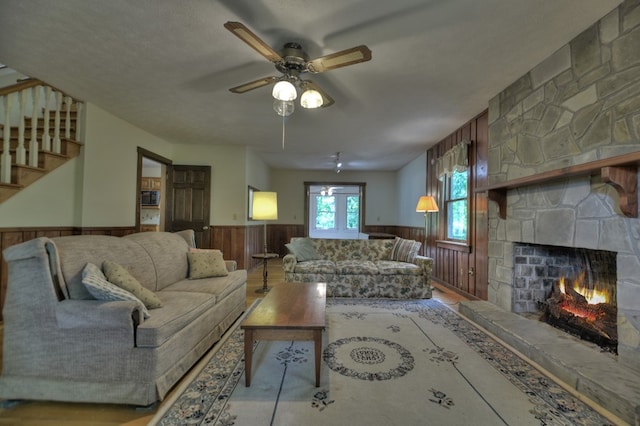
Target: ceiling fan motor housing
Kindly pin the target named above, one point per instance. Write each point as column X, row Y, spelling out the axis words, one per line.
column 295, row 59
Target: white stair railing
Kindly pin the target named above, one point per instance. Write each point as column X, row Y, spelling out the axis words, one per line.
column 33, row 99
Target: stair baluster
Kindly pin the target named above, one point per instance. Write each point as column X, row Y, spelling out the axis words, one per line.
column 57, row 144
column 68, row 100
column 21, row 151
column 46, row 138
column 5, row 160
column 33, row 142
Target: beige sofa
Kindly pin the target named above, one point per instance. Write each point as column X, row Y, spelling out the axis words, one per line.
column 61, row 344
column 360, row 268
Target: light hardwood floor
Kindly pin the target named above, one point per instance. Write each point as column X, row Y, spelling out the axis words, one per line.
column 74, row 414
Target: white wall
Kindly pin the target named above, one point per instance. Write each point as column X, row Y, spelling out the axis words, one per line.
column 258, row 176
column 110, row 168
column 381, row 196
column 411, row 184
column 50, row 201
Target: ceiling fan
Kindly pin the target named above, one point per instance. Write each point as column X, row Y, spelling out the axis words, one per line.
column 292, row 61
column 328, row 190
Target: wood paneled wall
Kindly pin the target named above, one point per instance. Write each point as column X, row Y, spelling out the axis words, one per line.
column 462, row 266
column 236, row 242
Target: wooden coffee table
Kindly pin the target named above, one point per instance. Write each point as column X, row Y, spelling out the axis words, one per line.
column 290, row 311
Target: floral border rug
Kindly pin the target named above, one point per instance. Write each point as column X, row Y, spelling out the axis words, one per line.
column 385, row 362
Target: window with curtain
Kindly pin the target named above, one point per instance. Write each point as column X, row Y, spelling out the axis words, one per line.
column 452, row 169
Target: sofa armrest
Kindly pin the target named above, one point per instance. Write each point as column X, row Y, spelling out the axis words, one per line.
column 426, row 263
column 231, row 265
column 289, row 262
column 98, row 314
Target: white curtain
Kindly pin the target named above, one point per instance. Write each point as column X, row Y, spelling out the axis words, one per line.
column 454, row 160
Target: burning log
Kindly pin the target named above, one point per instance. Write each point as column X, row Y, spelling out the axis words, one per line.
column 569, row 310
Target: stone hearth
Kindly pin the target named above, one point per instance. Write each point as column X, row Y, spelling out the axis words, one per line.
column 579, row 364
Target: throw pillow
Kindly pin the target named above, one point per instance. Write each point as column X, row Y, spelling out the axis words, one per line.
column 197, row 250
column 405, row 250
column 303, row 249
column 97, row 285
column 206, row 263
column 119, row 276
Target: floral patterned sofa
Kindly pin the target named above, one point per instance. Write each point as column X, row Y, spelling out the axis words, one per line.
column 360, row 268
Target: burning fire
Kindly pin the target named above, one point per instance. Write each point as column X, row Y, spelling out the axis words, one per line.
column 593, row 296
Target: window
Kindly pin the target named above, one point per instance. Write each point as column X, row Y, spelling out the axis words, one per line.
column 457, row 186
column 335, row 210
column 353, row 212
column 325, row 212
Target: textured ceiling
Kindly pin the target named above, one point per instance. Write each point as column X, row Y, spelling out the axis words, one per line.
column 166, row 66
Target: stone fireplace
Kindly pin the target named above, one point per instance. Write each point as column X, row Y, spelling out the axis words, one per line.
column 578, row 107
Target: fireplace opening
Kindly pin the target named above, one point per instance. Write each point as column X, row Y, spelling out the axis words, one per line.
column 572, row 289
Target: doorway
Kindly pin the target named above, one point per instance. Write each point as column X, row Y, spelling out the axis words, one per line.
column 151, row 199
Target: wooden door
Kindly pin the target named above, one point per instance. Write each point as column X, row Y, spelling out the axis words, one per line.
column 188, row 201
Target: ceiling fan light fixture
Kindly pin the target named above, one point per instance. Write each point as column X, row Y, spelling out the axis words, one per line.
column 283, row 108
column 311, row 99
column 284, row 91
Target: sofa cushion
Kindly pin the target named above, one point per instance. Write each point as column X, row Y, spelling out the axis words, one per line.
column 206, row 263
column 316, row 267
column 391, row 267
column 119, row 276
column 101, row 289
column 356, row 267
column 303, row 249
column 220, row 287
column 179, row 309
column 405, row 250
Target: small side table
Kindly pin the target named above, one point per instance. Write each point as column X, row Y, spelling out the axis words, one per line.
column 265, row 258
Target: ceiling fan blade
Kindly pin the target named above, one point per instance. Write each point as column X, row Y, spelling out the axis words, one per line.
column 326, row 99
column 340, row 59
column 253, row 85
column 246, row 35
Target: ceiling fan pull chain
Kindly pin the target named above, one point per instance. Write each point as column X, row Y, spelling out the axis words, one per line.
column 283, row 132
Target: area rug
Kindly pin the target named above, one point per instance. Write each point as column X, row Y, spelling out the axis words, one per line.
column 385, row 362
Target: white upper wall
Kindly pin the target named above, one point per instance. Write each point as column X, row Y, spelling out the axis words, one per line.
column 411, row 184
column 50, row 201
column 98, row 188
column 111, row 166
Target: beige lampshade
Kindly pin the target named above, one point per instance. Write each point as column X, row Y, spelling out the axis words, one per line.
column 265, row 206
column 426, row 203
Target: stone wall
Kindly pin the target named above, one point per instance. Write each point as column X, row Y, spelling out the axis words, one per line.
column 581, row 104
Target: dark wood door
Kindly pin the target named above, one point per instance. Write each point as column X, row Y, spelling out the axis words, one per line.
column 188, row 203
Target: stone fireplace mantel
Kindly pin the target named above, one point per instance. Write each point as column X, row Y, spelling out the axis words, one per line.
column 620, row 172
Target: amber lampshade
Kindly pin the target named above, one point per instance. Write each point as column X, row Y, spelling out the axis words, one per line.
column 426, row 204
